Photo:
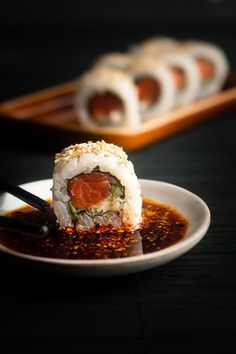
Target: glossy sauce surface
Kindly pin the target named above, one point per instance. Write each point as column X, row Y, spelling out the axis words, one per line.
column 162, row 227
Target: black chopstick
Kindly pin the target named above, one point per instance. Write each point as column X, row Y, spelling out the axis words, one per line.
column 27, row 197
column 23, row 227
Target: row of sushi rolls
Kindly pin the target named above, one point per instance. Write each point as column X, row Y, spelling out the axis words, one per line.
column 149, row 80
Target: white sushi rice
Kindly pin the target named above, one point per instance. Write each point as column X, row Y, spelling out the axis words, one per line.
column 84, row 158
column 114, row 60
column 215, row 55
column 154, row 46
column 100, row 80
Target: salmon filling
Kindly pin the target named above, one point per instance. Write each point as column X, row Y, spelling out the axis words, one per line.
column 105, row 108
column 148, row 89
column 206, row 68
column 87, row 190
column 96, row 198
column 178, row 77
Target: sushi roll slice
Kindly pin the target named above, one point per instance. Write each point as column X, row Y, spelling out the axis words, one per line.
column 107, row 98
column 212, row 64
column 185, row 74
column 155, row 46
column 155, row 86
column 94, row 185
column 114, row 60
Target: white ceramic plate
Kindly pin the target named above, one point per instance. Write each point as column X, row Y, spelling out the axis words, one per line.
column 187, row 203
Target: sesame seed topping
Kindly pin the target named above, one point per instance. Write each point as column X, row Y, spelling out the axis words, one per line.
column 96, row 148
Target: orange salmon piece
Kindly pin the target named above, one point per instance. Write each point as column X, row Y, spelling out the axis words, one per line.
column 87, row 190
column 206, row 68
column 101, row 106
column 178, row 77
column 148, row 89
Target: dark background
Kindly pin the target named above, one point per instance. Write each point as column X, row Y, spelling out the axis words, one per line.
column 186, row 306
column 150, row 13
column 47, row 42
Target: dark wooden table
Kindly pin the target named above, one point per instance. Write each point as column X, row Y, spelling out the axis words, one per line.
column 186, row 306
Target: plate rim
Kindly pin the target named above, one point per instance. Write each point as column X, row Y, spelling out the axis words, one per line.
column 181, row 246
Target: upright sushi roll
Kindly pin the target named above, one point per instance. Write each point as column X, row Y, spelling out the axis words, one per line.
column 114, row 60
column 155, row 86
column 107, row 98
column 94, row 185
column 212, row 65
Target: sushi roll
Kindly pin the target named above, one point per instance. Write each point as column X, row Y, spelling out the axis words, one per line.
column 212, row 65
column 106, row 98
column 94, row 185
column 155, row 46
column 114, row 60
column 185, row 74
column 155, row 86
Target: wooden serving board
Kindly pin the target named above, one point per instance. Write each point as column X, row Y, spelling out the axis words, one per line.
column 49, row 113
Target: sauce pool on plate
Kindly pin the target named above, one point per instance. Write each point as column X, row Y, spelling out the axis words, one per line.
column 162, row 226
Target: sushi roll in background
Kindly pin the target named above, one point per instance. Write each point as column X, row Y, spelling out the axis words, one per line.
column 212, row 64
column 94, row 184
column 106, row 97
column 155, row 46
column 155, row 86
column 114, row 60
column 185, row 74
